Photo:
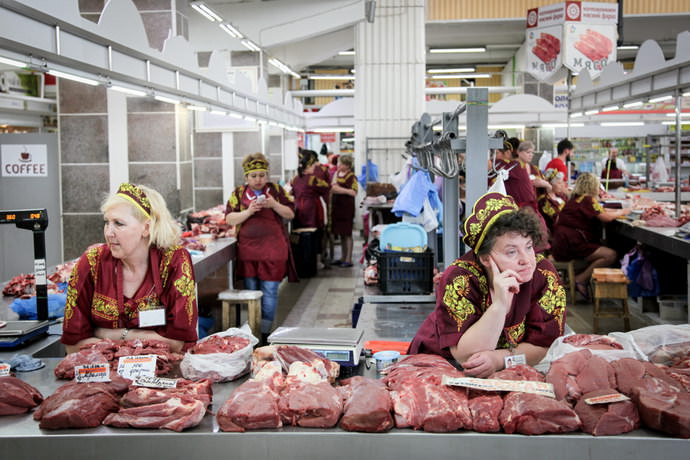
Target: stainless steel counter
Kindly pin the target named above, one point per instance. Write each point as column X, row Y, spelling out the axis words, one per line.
column 20, row 438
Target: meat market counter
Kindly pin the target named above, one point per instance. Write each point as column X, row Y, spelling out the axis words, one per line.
column 21, row 438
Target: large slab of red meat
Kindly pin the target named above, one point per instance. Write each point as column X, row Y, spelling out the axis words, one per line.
column 252, row 406
column 663, row 408
column 201, row 390
column 176, row 414
column 631, row 373
column 422, row 360
column 485, row 410
column 65, row 368
column 593, row 341
column 218, row 344
column 367, row 406
column 78, row 405
column 288, row 354
column 580, row 372
column 314, row 405
column 532, row 414
column 607, row 419
column 17, row 396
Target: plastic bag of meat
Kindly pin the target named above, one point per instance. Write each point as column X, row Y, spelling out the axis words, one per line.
column 17, row 396
column 603, row 346
column 220, row 357
column 653, row 342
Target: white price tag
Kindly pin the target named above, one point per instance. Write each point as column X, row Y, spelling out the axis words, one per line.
column 149, row 318
column 155, row 382
column 131, row 367
column 537, row 388
column 514, row 360
column 607, row 399
column 40, row 271
column 92, row 373
column 4, row 370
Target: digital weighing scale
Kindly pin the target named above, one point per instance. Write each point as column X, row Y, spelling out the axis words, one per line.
column 16, row 333
column 342, row 345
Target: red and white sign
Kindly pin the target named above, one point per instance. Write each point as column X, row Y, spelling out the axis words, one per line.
column 544, row 55
column 327, row 137
column 589, row 47
column 24, row 160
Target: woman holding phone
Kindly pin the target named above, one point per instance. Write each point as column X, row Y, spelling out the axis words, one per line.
column 499, row 304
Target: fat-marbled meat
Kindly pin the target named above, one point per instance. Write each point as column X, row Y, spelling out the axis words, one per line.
column 607, row 419
column 17, row 396
column 201, row 390
column 177, row 414
column 218, row 344
column 593, row 342
column 532, row 414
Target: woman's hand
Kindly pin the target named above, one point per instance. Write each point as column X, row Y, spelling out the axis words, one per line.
column 269, row 202
column 254, row 207
column 483, row 364
column 505, row 285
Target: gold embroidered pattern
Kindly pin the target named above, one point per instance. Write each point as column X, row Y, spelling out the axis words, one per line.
column 233, row 201
column 315, row 181
column 164, row 267
column 514, row 334
column 185, row 286
column 71, row 302
column 553, row 299
column 456, row 293
column 149, row 302
column 93, row 255
column 104, row 307
column 484, row 213
column 597, row 206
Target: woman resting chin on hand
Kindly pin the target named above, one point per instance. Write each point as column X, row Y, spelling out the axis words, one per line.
column 499, row 299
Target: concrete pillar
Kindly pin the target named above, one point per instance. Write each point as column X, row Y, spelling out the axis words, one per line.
column 389, row 89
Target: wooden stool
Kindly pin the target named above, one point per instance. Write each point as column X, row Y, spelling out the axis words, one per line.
column 233, row 298
column 569, row 269
column 610, row 289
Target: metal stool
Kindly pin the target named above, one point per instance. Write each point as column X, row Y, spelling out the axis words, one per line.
column 609, row 288
column 236, row 298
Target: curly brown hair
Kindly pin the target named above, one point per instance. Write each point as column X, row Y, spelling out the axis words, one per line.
column 523, row 221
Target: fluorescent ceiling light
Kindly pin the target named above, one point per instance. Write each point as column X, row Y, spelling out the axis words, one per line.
column 12, row 62
column 575, row 114
column 633, row 104
column 610, row 108
column 272, row 123
column 506, row 126
column 282, row 67
column 463, row 75
column 349, row 139
column 686, row 94
column 456, row 70
column 627, row 47
column 236, row 115
column 591, row 112
column 206, row 12
column 169, row 100
column 130, row 91
column 248, row 118
column 479, row 49
column 197, row 108
column 331, row 77
column 219, row 112
column 347, row 53
column 250, row 45
column 661, row 98
column 261, row 121
column 354, row 71
column 230, row 30
column 622, row 123
column 682, row 114
column 332, row 130
column 562, row 125
column 69, row 76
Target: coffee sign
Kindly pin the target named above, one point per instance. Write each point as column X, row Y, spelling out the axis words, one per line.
column 24, row 160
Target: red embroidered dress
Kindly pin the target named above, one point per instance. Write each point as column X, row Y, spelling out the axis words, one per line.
column 343, row 206
column 578, row 231
column 537, row 314
column 307, row 190
column 95, row 298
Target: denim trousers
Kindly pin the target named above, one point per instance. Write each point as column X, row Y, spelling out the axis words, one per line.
column 269, row 300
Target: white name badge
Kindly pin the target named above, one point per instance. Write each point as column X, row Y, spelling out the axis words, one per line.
column 514, row 360
column 149, row 318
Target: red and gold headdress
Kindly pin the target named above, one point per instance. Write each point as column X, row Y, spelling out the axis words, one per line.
column 136, row 196
column 552, row 174
column 255, row 165
column 485, row 212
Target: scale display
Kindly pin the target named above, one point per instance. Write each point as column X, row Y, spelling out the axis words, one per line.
column 23, row 216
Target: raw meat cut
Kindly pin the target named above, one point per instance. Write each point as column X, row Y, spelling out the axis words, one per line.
column 631, row 373
column 271, row 373
column 77, row 405
column 580, row 372
column 422, row 360
column 607, row 419
column 485, row 411
column 671, row 354
column 521, row 372
column 17, row 396
column 201, row 390
column 367, row 406
column 65, row 368
column 535, row 414
column 252, row 406
column 315, row 405
column 218, row 344
column 667, row 411
column 288, row 354
column 176, row 414
column 593, row 341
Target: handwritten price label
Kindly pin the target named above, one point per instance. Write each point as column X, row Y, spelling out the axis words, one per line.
column 92, row 373
column 4, row 370
column 155, row 382
column 537, row 388
column 131, row 367
column 607, row 399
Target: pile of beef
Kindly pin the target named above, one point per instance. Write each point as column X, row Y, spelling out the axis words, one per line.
column 109, row 351
column 17, row 397
column 218, row 344
column 211, row 221
column 24, row 285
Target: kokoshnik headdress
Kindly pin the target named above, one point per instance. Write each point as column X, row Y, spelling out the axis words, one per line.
column 255, row 165
column 136, row 196
column 485, row 212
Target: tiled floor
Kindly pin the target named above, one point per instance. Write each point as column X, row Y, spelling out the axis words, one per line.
column 326, row 301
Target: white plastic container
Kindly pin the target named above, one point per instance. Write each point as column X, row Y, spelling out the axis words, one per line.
column 385, row 359
column 673, row 308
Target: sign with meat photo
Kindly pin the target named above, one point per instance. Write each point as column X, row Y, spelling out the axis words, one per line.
column 544, row 56
column 589, row 47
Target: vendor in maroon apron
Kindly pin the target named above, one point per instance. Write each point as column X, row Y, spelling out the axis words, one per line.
column 499, row 302
column 259, row 210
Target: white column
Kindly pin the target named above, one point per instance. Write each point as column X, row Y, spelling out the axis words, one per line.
column 117, row 138
column 228, row 155
column 389, row 88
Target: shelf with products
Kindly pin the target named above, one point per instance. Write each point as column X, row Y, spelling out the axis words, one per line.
column 589, row 153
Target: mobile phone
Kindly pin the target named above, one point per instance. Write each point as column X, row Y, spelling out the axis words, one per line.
column 261, row 198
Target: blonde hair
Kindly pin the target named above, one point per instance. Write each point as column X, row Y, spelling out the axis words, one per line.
column 163, row 229
column 525, row 145
column 347, row 160
column 586, row 184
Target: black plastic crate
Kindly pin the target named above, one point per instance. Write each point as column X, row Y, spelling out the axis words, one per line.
column 406, row 272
